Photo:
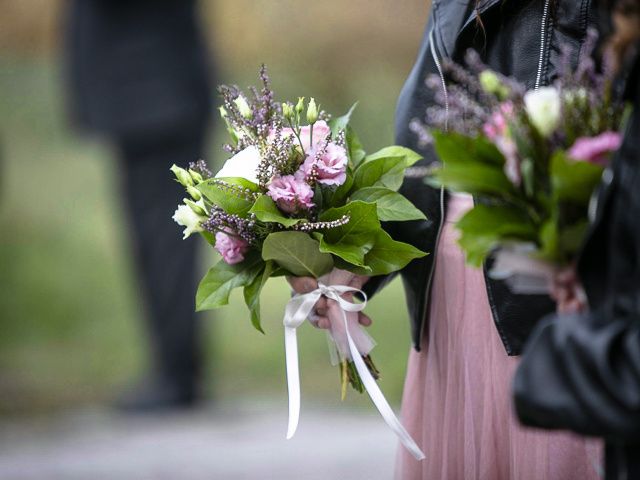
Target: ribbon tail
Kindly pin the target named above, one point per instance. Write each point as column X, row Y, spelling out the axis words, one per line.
column 378, row 399
column 293, row 379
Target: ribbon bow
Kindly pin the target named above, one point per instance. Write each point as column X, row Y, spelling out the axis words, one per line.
column 296, row 312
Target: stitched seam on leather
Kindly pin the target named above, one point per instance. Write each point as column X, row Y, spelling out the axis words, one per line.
column 584, row 22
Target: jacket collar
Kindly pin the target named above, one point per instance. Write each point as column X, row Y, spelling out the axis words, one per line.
column 452, row 17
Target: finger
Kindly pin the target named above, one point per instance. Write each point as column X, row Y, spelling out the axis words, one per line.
column 302, row 284
column 364, row 319
column 321, row 305
column 323, row 323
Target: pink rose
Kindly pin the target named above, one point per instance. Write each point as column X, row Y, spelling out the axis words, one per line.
column 595, row 149
column 231, row 247
column 291, row 193
column 320, row 133
column 331, row 166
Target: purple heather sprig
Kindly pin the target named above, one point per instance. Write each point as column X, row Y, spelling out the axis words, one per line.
column 316, row 226
column 201, row 168
column 221, row 221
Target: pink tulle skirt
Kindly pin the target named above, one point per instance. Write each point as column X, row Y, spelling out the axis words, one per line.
column 457, row 397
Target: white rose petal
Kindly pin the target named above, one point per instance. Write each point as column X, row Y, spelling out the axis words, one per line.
column 189, row 219
column 243, row 164
column 543, row 109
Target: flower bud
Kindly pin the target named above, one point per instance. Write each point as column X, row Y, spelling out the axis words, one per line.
column 491, row 84
column 300, row 105
column 287, row 111
column 182, row 175
column 243, row 107
column 223, row 112
column 198, row 208
column 312, row 111
column 194, row 192
column 196, row 177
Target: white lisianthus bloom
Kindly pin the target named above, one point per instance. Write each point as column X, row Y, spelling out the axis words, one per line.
column 243, row 164
column 186, row 217
column 543, row 109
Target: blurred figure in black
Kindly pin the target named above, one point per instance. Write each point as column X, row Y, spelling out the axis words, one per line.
column 138, row 76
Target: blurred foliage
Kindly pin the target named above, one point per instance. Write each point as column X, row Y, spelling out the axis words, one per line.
column 72, row 329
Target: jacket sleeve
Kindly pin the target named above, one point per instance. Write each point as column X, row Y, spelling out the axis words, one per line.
column 582, row 373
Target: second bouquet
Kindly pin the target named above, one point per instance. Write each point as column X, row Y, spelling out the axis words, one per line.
column 299, row 196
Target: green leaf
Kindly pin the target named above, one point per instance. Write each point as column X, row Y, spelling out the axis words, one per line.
column 409, row 155
column 252, row 294
column 335, row 197
column 266, row 210
column 340, row 123
column 484, row 227
column 350, row 253
column 222, row 278
column 474, row 178
column 355, row 147
column 222, row 197
column 549, row 240
column 573, row 181
column 572, row 237
column 241, row 182
column 455, row 148
column 354, row 239
column 391, row 206
column 471, row 165
column 209, row 237
column 297, row 253
column 385, row 168
column 388, row 255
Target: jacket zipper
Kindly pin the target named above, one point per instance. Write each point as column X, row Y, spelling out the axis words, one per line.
column 442, row 213
column 543, row 41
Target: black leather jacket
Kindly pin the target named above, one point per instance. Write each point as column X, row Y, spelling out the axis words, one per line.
column 582, row 372
column 521, row 39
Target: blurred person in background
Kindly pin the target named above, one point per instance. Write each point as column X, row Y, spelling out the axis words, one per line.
column 138, row 76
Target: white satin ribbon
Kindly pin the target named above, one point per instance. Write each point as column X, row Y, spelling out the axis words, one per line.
column 296, row 312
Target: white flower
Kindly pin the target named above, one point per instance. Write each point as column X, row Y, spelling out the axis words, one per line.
column 186, row 217
column 543, row 109
column 243, row 164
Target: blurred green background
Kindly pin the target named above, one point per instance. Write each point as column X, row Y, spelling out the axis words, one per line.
column 71, row 329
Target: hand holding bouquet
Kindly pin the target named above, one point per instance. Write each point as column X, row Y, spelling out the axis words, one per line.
column 532, row 160
column 300, row 197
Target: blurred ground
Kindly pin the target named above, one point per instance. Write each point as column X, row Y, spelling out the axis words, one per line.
column 234, row 442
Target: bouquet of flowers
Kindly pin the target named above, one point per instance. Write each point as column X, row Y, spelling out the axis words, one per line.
column 532, row 159
column 299, row 197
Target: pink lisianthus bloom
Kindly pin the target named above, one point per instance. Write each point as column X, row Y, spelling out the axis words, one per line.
column 497, row 125
column 497, row 130
column 291, row 193
column 512, row 162
column 320, row 133
column 331, row 166
column 595, row 149
column 231, row 247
